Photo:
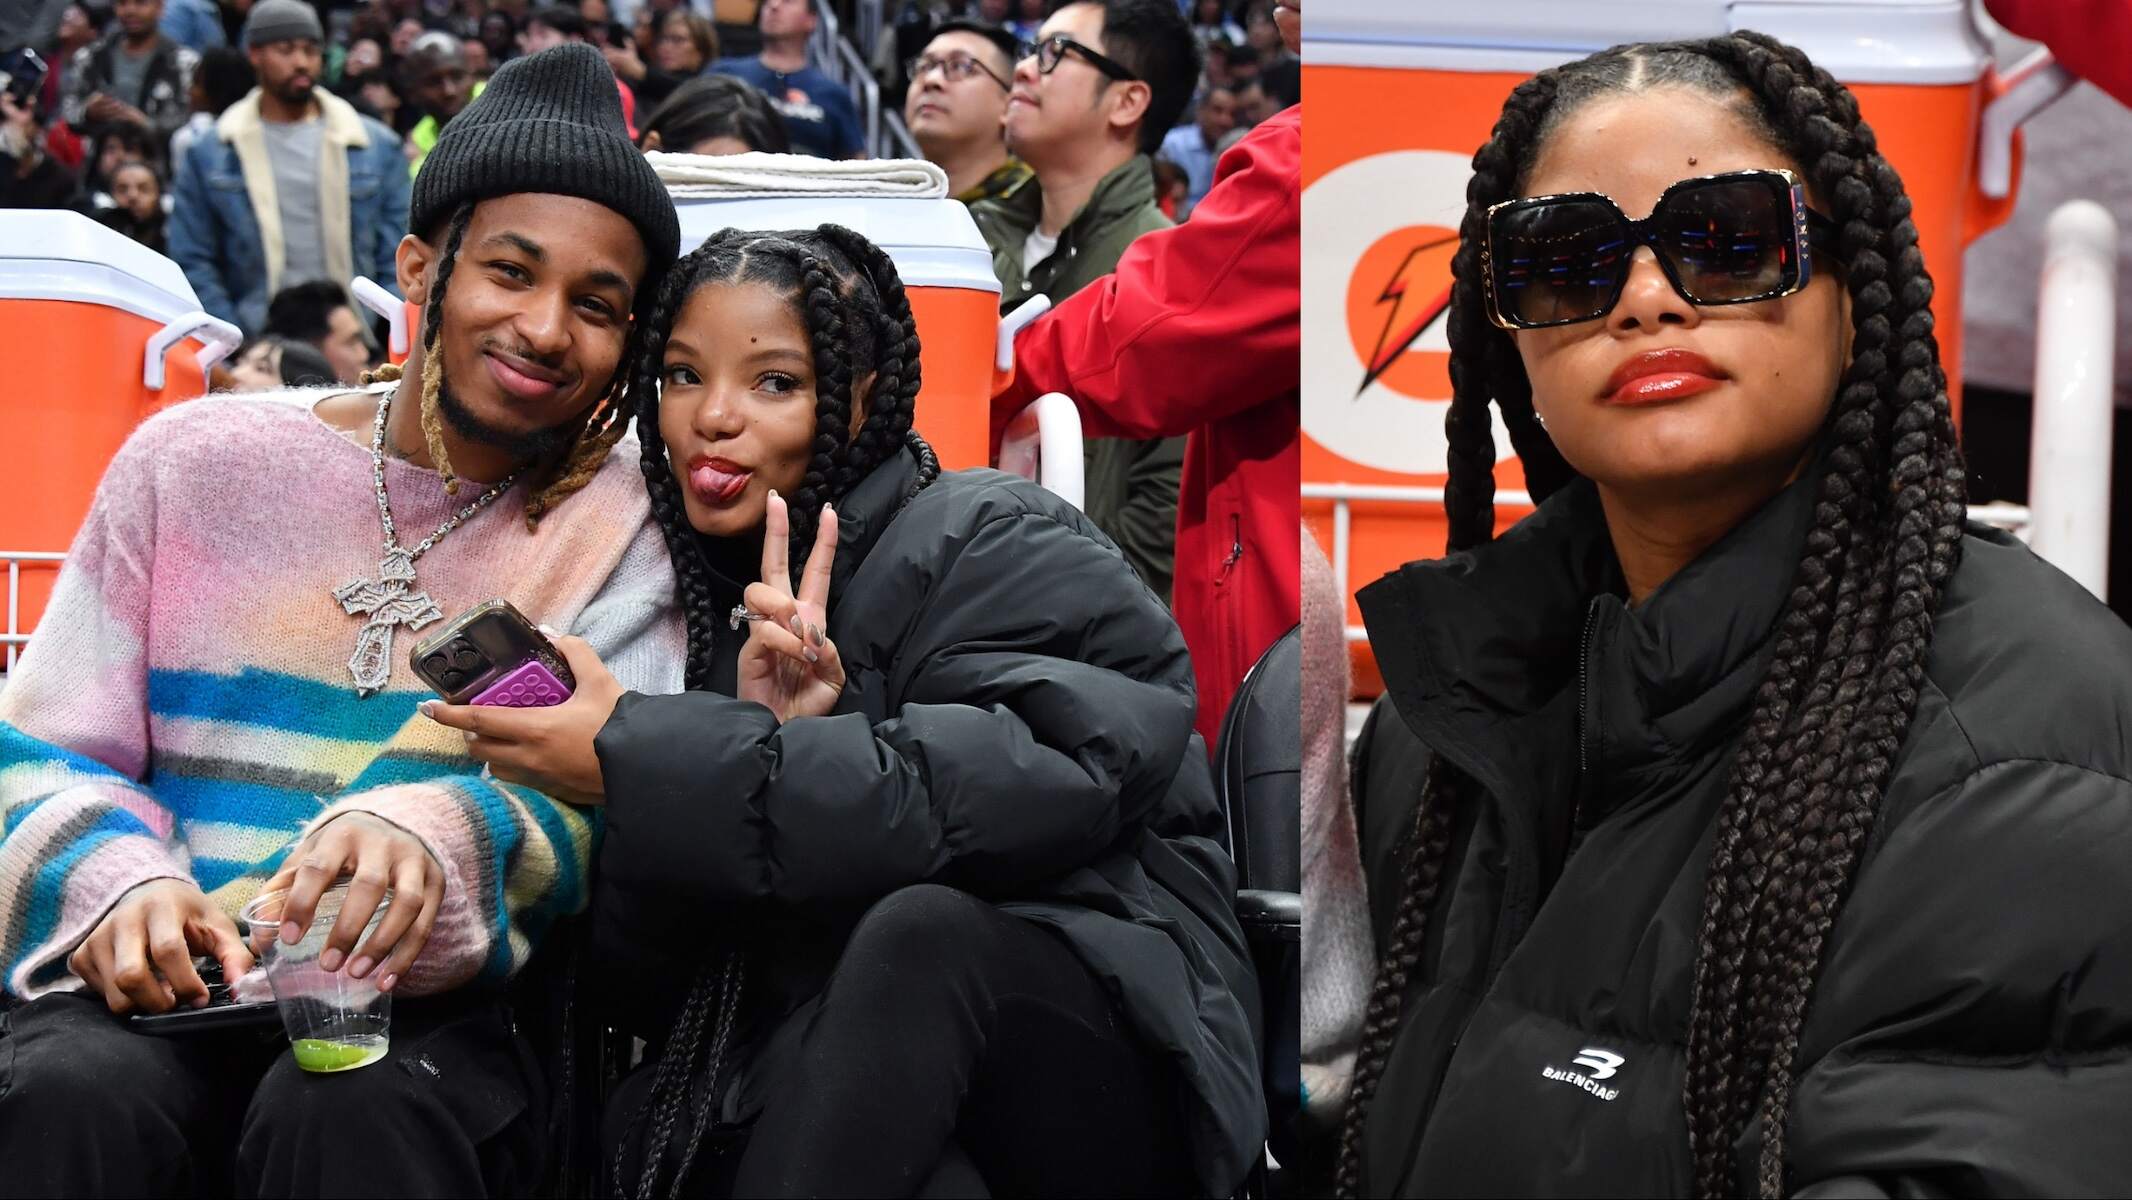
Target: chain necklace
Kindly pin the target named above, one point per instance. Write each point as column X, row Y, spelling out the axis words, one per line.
column 389, row 600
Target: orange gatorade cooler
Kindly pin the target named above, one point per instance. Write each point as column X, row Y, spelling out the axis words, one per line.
column 947, row 272
column 1401, row 96
column 101, row 332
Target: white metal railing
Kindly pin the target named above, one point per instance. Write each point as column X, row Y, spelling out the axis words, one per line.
column 2012, row 517
column 898, row 136
column 842, row 62
column 13, row 636
column 870, row 16
column 1043, row 443
column 2069, row 456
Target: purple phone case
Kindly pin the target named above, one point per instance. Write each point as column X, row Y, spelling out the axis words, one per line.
column 532, row 685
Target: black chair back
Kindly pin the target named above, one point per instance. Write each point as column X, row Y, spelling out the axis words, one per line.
column 1259, row 779
column 1259, row 772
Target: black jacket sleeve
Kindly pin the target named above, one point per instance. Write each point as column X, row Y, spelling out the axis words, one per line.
column 1030, row 710
column 1974, row 1037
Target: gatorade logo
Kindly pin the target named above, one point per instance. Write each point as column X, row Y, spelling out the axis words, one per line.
column 1379, row 234
column 1412, row 300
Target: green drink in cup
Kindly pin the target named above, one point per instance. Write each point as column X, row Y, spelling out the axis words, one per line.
column 335, row 1021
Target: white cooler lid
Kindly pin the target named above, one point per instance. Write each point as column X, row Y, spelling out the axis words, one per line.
column 1858, row 41
column 51, row 254
column 933, row 240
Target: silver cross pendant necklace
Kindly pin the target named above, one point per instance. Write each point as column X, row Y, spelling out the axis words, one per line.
column 389, row 600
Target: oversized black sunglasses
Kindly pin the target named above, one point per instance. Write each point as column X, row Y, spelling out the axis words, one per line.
column 1720, row 239
column 1051, row 50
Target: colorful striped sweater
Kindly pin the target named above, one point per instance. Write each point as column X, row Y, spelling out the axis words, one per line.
column 185, row 707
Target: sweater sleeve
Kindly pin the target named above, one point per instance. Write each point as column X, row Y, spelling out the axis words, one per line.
column 1973, row 1042
column 515, row 859
column 1220, row 292
column 80, row 829
column 1338, row 963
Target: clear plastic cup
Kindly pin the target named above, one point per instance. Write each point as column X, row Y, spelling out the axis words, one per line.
column 335, row 1021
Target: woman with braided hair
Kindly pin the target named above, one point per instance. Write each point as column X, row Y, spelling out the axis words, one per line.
column 916, row 890
column 1742, row 821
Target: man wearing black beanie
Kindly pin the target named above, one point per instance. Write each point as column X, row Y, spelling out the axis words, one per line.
column 238, row 726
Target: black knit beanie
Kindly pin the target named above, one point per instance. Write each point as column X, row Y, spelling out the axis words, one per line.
column 550, row 123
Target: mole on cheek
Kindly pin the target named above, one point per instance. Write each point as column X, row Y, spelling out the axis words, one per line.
column 1691, row 160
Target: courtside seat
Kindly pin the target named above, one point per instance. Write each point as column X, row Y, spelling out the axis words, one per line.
column 1258, row 775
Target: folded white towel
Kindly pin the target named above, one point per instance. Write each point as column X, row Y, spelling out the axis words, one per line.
column 734, row 176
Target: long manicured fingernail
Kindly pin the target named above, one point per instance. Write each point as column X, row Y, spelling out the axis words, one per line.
column 773, row 493
column 548, row 631
column 385, row 984
column 799, row 629
column 828, row 507
column 330, row 960
column 427, row 708
column 811, row 655
column 360, row 967
column 291, row 933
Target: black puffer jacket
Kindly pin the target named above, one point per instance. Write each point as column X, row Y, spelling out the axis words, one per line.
column 1972, row 1029
column 1017, row 723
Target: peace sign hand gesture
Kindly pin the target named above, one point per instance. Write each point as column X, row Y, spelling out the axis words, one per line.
column 789, row 665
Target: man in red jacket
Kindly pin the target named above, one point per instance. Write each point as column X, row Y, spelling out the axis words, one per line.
column 2090, row 38
column 1199, row 332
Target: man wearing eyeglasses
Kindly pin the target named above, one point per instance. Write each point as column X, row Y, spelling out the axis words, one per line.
column 1090, row 102
column 957, row 101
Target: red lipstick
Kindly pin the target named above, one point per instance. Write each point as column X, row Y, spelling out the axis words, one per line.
column 1660, row 376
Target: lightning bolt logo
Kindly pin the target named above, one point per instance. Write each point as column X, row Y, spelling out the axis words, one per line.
column 1409, row 310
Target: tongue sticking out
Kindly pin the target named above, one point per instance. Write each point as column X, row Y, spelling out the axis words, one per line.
column 716, row 484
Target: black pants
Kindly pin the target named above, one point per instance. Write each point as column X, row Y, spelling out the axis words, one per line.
column 957, row 1051
column 90, row 1108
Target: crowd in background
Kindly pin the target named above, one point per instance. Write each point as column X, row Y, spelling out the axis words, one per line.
column 269, row 147
column 130, row 87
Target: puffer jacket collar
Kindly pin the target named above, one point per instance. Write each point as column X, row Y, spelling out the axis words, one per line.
column 1499, row 655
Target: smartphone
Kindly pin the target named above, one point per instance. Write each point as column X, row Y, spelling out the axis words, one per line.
column 221, row 1012
column 22, row 75
column 490, row 654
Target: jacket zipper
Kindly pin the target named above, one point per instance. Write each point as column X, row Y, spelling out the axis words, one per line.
column 1587, row 776
column 1584, row 686
column 1236, row 547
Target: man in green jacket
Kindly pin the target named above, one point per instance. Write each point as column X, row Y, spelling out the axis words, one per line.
column 1092, row 99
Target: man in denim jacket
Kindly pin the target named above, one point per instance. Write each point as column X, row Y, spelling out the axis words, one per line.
column 294, row 186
